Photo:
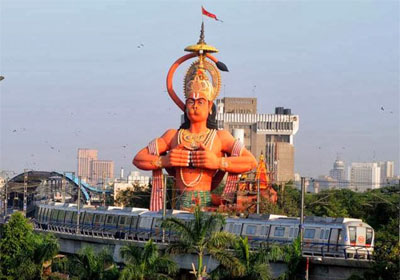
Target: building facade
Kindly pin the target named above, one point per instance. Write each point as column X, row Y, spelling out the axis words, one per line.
column 268, row 134
column 85, row 159
column 365, row 175
column 387, row 171
column 135, row 178
column 102, row 172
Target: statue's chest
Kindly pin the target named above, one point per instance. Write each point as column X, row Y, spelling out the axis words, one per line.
column 192, row 141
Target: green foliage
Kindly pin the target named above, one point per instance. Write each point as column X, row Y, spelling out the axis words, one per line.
column 89, row 265
column 293, row 259
column 379, row 208
column 254, row 264
column 133, row 198
column 198, row 236
column 22, row 252
column 146, row 263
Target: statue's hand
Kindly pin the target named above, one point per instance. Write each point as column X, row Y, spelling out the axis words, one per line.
column 176, row 157
column 205, row 158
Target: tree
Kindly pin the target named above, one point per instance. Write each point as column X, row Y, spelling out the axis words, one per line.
column 91, row 266
column 146, row 263
column 293, row 258
column 22, row 252
column 200, row 236
column 134, row 198
column 254, row 263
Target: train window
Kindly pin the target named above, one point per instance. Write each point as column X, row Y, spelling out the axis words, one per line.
column 321, row 234
column 279, row 231
column 291, row 232
column 54, row 215
column 251, row 230
column 237, row 228
column 122, row 220
column 368, row 239
column 157, row 223
column 110, row 219
column 296, row 232
column 145, row 222
column 264, row 230
column 61, row 216
column 128, row 221
column 74, row 217
column 309, row 233
column 88, row 218
column 81, row 217
column 97, row 219
column 327, row 234
column 352, row 233
column 68, row 216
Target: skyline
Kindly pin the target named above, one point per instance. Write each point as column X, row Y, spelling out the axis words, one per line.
column 77, row 75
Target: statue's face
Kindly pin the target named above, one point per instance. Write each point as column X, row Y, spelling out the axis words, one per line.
column 198, row 109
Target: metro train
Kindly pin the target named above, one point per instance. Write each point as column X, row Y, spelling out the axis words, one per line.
column 328, row 237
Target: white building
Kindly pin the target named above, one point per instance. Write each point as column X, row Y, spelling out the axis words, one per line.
column 269, row 134
column 387, row 171
column 364, row 175
column 136, row 178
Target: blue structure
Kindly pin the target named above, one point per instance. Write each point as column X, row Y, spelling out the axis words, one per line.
column 36, row 177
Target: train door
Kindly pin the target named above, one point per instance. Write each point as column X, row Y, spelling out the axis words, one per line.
column 360, row 236
column 368, row 237
column 334, row 237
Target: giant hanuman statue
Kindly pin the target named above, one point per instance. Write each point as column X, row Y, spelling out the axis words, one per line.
column 197, row 154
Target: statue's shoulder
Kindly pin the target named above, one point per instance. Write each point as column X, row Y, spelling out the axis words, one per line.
column 224, row 134
column 169, row 135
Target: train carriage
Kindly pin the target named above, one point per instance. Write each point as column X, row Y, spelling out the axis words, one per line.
column 322, row 236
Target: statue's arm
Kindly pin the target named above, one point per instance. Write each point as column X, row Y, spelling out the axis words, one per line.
column 146, row 161
column 176, row 157
column 204, row 158
column 239, row 164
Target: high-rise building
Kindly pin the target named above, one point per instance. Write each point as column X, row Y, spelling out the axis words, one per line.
column 102, row 171
column 338, row 172
column 85, row 159
column 270, row 134
column 387, row 171
column 365, row 175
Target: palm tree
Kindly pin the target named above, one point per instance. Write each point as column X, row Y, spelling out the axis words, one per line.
column 91, row 266
column 255, row 262
column 46, row 248
column 200, row 236
column 146, row 263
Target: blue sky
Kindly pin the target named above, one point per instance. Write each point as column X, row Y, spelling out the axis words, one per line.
column 75, row 76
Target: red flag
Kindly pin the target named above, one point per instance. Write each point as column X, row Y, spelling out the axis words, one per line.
column 207, row 13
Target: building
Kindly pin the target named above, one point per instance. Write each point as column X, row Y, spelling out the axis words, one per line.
column 135, row 178
column 364, row 175
column 338, row 174
column 85, row 159
column 387, row 171
column 268, row 134
column 102, row 171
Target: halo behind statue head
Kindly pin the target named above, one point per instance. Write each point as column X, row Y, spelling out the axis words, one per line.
column 201, row 76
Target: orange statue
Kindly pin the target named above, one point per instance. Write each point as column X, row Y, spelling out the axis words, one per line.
column 197, row 154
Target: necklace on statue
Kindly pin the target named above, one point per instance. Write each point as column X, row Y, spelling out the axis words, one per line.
column 194, row 139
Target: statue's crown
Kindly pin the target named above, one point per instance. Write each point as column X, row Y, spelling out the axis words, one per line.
column 197, row 83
